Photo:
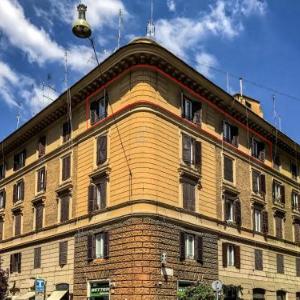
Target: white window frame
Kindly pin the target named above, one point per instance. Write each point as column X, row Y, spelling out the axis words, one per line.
column 230, row 255
column 277, row 191
column 295, row 199
column 2, row 199
column 257, row 220
column 99, row 245
column 59, row 208
column 61, row 167
column 231, row 210
column 189, row 246
column 19, row 190
column 257, row 181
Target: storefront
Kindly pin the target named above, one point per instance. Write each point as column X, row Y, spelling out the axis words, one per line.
column 98, row 290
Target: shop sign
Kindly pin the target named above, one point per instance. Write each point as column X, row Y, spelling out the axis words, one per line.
column 99, row 289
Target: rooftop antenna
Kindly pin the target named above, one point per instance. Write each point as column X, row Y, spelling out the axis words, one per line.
column 241, row 86
column 120, row 27
column 150, row 25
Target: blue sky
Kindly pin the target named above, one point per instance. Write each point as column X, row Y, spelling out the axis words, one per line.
column 254, row 39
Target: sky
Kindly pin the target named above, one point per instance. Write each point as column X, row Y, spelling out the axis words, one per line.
column 224, row 40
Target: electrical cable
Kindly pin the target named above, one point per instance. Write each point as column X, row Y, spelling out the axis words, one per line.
column 112, row 112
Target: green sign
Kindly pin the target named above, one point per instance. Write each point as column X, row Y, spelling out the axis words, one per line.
column 99, row 289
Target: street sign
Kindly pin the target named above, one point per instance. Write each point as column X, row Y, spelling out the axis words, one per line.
column 217, row 285
column 39, row 285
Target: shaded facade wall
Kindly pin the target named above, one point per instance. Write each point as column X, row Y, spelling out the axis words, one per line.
column 134, row 267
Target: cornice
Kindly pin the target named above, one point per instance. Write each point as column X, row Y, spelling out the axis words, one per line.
column 146, row 53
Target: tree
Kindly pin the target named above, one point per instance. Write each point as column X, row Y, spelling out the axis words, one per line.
column 3, row 283
column 200, row 291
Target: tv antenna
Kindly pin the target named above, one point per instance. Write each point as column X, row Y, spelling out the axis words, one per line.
column 120, row 27
column 150, row 25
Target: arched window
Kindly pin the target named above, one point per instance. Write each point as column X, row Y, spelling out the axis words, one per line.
column 280, row 295
column 258, row 294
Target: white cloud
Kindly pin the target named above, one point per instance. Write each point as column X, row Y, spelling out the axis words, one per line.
column 171, row 5
column 204, row 63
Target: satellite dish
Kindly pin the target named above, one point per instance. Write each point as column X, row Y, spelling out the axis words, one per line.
column 81, row 27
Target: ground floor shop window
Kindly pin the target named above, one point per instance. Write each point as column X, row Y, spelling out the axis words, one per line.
column 99, row 290
column 258, row 294
column 280, row 295
column 231, row 292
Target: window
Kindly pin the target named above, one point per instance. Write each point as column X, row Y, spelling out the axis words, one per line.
column 298, row 296
column 278, row 192
column 230, row 292
column 1, row 228
column 15, row 263
column 191, row 247
column 294, row 170
column 98, row 109
column 97, row 195
column 276, row 162
column 280, row 295
column 2, row 171
column 42, row 146
column 18, row 222
column 182, row 285
column 232, row 209
column 18, row 191
column 258, row 294
column 297, row 230
column 66, row 131
column 188, row 193
column 101, row 149
column 39, row 212
column 191, row 151
column 298, row 266
column 99, row 290
column 228, row 169
column 41, row 180
column 257, row 217
column 231, row 255
column 37, row 258
column 63, row 253
column 295, row 201
column 19, row 160
column 279, row 225
column 98, row 245
column 258, row 182
column 64, row 207
column 2, row 199
column 191, row 110
column 258, row 259
column 280, row 263
column 258, row 149
column 230, row 133
column 66, row 167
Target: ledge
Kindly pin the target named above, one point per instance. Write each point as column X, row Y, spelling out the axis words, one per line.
column 37, row 199
column 64, row 188
column 102, row 171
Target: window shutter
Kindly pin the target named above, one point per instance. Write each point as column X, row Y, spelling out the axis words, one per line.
column 191, row 197
column 237, row 258
column 298, row 266
column 90, row 247
column 63, row 253
column 224, row 254
column 228, row 169
column 265, row 222
column 39, row 216
column 197, row 116
column 182, row 246
column 254, row 182
column 11, row 264
column 199, row 249
column 64, row 208
column 45, row 180
column 37, row 258
column 182, row 105
column 18, row 224
column 297, row 231
column 278, row 224
column 198, row 154
column 235, row 135
column 15, row 193
column 282, row 194
column 66, row 131
column 238, row 213
column 68, row 167
column 4, row 198
column 258, row 259
column 39, row 179
column 262, row 178
column 106, row 245
column 273, row 190
column 103, row 185
column 1, row 229
column 19, row 259
column 42, row 146
column 280, row 263
column 91, row 198
column 101, row 149
column 298, row 203
column 22, row 188
column 186, row 149
column 185, row 194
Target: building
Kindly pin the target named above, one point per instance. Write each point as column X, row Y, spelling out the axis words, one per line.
column 157, row 179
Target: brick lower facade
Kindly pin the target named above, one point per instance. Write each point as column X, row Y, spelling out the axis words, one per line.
column 134, row 268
